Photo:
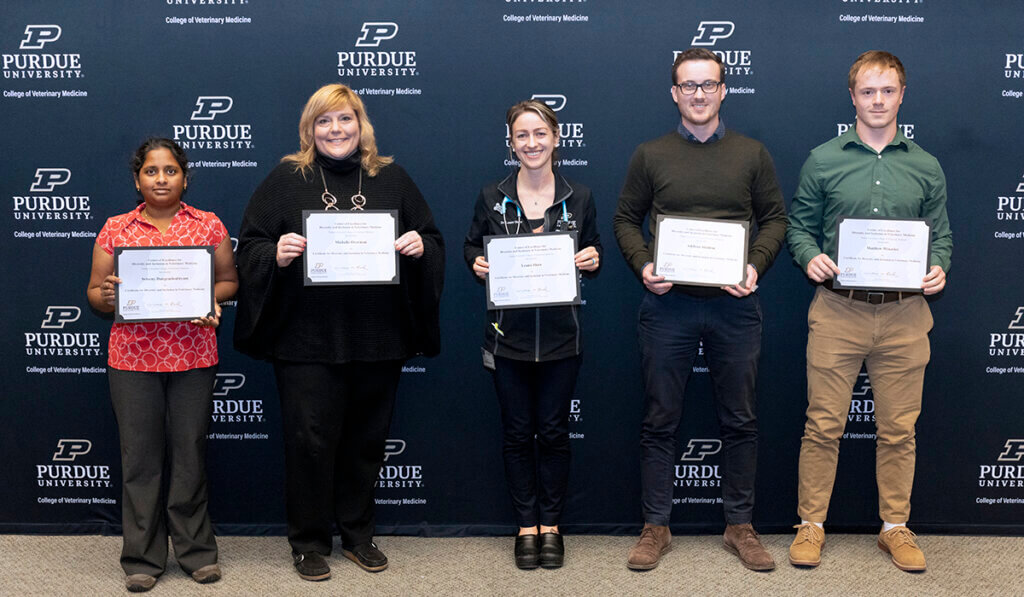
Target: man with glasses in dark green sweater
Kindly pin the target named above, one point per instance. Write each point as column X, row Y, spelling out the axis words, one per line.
column 700, row 170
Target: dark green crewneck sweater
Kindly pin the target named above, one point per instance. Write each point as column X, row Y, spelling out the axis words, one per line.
column 732, row 178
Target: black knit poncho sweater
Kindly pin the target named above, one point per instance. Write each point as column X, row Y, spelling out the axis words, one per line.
column 281, row 319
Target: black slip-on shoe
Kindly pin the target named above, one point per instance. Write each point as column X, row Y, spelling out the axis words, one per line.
column 311, row 566
column 552, row 550
column 527, row 552
column 367, row 557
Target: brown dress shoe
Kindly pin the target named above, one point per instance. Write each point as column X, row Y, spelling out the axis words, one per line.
column 654, row 541
column 906, row 555
column 207, row 574
column 743, row 541
column 806, row 547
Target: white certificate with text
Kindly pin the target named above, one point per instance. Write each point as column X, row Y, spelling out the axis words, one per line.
column 882, row 253
column 701, row 251
column 350, row 247
column 532, row 270
column 163, row 283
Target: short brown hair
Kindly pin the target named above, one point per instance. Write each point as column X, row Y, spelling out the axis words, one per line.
column 542, row 110
column 878, row 59
column 698, row 54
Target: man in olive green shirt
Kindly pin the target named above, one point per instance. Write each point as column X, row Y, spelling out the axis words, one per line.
column 872, row 170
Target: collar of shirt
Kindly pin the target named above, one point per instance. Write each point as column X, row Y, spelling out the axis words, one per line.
column 851, row 138
column 715, row 136
column 136, row 214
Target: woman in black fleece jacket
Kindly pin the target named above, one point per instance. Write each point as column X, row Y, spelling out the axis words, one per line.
column 535, row 353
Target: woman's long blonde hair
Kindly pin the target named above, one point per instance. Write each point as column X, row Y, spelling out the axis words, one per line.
column 330, row 98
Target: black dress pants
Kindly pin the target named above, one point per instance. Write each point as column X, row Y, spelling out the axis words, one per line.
column 336, row 420
column 164, row 417
column 534, row 400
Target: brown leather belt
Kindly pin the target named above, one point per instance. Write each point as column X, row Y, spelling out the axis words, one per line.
column 874, row 297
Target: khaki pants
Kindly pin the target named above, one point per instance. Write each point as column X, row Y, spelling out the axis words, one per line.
column 892, row 340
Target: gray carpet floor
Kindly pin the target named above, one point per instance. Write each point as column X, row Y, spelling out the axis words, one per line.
column 595, row 565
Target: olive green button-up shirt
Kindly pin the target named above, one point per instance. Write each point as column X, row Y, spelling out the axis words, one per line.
column 845, row 177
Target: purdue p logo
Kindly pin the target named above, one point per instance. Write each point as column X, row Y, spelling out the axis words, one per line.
column 37, row 36
column 697, row 449
column 393, row 447
column 709, row 32
column 209, row 106
column 1018, row 323
column 48, row 178
column 57, row 316
column 1014, row 450
column 69, row 449
column 555, row 101
column 225, row 382
column 862, row 385
column 373, row 33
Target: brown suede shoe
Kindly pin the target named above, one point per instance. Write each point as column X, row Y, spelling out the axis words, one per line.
column 743, row 541
column 207, row 574
column 899, row 542
column 654, row 542
column 139, row 583
column 806, row 547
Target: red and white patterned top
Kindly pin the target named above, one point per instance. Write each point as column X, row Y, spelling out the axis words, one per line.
column 162, row 346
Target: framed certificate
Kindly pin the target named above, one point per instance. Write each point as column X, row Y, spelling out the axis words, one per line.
column 882, row 253
column 163, row 283
column 350, row 247
column 701, row 251
column 532, row 270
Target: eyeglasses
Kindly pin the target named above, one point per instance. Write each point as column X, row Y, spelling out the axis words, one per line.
column 689, row 87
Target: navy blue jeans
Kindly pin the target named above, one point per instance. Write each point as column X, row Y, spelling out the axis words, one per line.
column 670, row 329
column 534, row 400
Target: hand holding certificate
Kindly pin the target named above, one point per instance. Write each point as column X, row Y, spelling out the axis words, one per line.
column 350, row 247
column 882, row 253
column 531, row 270
column 163, row 284
column 700, row 251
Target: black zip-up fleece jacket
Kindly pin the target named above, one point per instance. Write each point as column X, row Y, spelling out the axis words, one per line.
column 533, row 333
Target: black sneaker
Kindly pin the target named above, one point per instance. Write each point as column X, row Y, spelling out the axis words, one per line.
column 311, row 566
column 367, row 557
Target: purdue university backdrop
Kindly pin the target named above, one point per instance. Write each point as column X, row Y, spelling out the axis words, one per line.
column 85, row 82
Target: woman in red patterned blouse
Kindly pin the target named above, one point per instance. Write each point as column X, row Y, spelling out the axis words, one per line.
column 161, row 377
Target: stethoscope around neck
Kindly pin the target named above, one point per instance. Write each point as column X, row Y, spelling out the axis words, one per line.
column 519, row 215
